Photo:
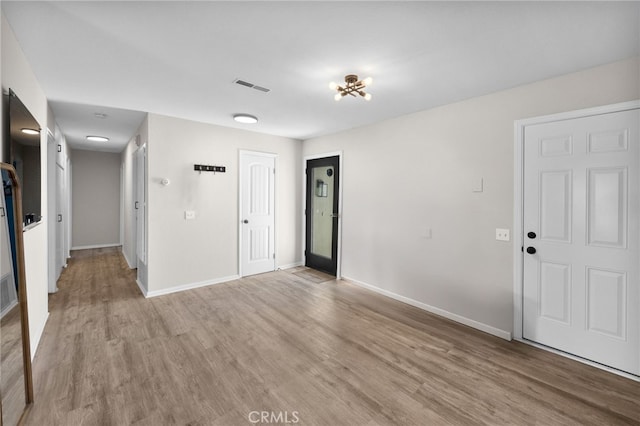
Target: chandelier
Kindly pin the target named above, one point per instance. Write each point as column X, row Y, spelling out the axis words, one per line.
column 352, row 87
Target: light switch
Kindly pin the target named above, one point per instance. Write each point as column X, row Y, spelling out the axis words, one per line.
column 502, row 234
column 189, row 214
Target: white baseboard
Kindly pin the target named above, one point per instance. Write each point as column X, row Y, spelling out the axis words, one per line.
column 131, row 265
column 503, row 334
column 38, row 336
column 291, row 265
column 142, row 289
column 582, row 360
column 190, row 286
column 95, row 246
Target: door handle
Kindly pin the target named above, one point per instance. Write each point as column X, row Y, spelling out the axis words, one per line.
column 531, row 250
column 245, row 221
column 59, row 218
column 334, row 215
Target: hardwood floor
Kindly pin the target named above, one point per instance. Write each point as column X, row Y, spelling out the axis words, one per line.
column 300, row 345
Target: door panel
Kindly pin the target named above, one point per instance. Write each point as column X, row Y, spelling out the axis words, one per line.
column 257, row 213
column 322, row 214
column 581, row 269
column 60, row 220
column 140, row 207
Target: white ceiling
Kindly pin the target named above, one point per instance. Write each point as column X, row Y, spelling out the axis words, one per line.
column 181, row 58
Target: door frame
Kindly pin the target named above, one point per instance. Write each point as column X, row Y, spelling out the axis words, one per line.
column 304, row 206
column 518, row 216
column 241, row 152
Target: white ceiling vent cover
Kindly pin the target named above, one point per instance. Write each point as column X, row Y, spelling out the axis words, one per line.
column 251, row 85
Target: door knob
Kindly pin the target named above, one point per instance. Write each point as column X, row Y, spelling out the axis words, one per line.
column 245, row 221
column 531, row 250
column 531, row 235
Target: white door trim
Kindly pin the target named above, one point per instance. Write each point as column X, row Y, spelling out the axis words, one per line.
column 304, row 205
column 518, row 211
column 242, row 152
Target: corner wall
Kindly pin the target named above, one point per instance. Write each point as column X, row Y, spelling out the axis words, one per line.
column 412, row 225
column 183, row 254
column 17, row 74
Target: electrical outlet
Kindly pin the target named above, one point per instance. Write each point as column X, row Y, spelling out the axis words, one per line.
column 189, row 214
column 502, row 234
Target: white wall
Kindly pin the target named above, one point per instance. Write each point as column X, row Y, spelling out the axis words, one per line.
column 205, row 250
column 96, row 199
column 415, row 172
column 17, row 75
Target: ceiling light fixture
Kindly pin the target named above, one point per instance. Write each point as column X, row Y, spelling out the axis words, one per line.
column 352, row 87
column 30, row 131
column 245, row 118
column 97, row 139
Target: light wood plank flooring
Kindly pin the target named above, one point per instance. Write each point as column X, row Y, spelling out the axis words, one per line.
column 296, row 343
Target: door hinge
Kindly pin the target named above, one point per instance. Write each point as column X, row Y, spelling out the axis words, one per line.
column 274, row 255
column 274, row 171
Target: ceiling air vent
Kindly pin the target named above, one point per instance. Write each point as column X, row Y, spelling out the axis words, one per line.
column 251, row 85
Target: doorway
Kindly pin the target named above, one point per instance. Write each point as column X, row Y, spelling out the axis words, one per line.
column 580, row 236
column 322, row 213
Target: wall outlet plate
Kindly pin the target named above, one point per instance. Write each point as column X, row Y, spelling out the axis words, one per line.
column 502, row 234
column 189, row 214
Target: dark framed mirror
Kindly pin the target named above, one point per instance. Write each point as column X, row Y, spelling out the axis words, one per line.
column 16, row 384
column 25, row 156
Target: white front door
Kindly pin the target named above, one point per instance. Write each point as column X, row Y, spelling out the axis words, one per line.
column 257, row 213
column 581, row 237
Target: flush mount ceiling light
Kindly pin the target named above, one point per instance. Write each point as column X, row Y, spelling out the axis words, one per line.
column 30, row 131
column 245, row 118
column 97, row 139
column 352, row 87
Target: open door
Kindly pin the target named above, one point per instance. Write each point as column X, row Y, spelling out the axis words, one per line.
column 323, row 177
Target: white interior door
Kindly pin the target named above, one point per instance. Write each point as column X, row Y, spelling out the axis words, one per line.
column 581, row 238
column 60, row 220
column 140, row 205
column 257, row 213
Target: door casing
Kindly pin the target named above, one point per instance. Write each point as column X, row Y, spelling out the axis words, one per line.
column 518, row 217
column 303, row 231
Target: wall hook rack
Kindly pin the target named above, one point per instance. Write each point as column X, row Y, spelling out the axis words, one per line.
column 204, row 168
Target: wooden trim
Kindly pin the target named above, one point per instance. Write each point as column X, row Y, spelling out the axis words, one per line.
column 22, row 284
